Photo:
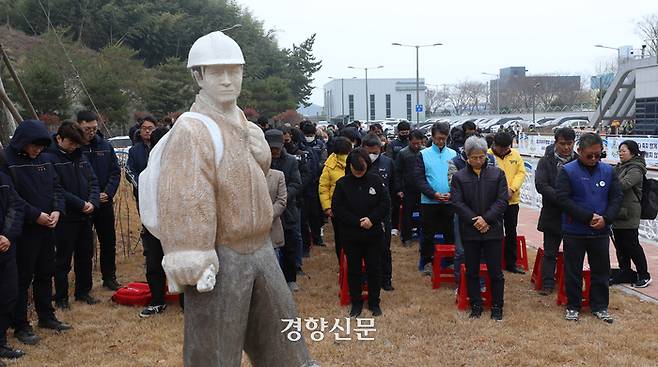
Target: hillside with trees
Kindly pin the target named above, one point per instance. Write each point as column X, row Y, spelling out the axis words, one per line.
column 125, row 56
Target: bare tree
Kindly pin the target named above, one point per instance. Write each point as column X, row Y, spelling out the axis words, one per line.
column 647, row 28
column 476, row 91
column 458, row 95
column 434, row 99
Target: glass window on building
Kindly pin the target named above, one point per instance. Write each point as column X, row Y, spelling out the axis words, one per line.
column 372, row 106
column 646, row 116
column 351, row 106
column 409, row 107
column 388, row 106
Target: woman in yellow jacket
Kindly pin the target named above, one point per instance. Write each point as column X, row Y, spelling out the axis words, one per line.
column 510, row 161
column 334, row 169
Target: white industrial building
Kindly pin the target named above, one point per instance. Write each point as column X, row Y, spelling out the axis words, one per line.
column 389, row 98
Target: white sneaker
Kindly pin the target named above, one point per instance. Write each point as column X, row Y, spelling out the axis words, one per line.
column 427, row 270
column 294, row 287
column 603, row 315
column 642, row 283
column 571, row 315
column 395, row 232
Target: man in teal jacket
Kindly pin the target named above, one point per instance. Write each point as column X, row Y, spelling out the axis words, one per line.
column 436, row 212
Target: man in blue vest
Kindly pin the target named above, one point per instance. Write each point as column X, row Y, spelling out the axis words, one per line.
column 591, row 197
column 436, row 212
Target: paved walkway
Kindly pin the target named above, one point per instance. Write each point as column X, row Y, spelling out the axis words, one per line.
column 527, row 226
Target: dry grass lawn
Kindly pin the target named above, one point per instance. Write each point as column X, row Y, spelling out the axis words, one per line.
column 420, row 326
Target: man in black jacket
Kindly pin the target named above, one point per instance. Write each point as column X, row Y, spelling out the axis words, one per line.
column 103, row 159
column 74, row 232
column 36, row 181
column 551, row 213
column 312, row 209
column 287, row 164
column 405, row 166
column 138, row 155
column 399, row 143
column 11, row 224
column 383, row 167
column 293, row 144
column 479, row 195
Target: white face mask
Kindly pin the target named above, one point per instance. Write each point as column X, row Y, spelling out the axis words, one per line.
column 310, row 139
column 373, row 157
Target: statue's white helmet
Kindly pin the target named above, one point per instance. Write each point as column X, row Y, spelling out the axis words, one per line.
column 215, row 48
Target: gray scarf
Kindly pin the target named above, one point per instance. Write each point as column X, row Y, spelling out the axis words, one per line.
column 561, row 161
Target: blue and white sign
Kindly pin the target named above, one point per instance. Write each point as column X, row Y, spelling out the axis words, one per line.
column 419, row 108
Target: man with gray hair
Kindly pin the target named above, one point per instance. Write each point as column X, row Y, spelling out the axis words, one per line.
column 591, row 197
column 479, row 195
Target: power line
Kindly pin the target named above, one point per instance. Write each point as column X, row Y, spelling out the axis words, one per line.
column 75, row 70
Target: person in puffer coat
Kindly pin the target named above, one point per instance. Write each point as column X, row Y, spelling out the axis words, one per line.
column 334, row 169
column 11, row 224
column 74, row 232
column 480, row 195
column 630, row 171
column 361, row 204
column 103, row 160
column 37, row 183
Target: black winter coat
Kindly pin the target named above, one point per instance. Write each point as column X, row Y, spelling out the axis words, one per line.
column 356, row 198
column 405, row 170
column 550, row 218
column 103, row 159
column 35, row 180
column 303, row 162
column 11, row 214
column 77, row 178
column 485, row 195
column 395, row 146
column 384, row 168
column 287, row 164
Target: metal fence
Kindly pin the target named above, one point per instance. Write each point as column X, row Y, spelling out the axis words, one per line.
column 530, row 196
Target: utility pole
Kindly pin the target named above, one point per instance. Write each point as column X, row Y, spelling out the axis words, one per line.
column 417, row 75
column 367, row 96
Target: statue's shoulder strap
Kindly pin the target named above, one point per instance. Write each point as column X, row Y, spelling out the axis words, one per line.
column 213, row 129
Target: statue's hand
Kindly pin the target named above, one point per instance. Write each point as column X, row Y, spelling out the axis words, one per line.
column 195, row 268
column 259, row 148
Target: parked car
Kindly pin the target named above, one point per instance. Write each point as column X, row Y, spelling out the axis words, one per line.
column 575, row 124
column 121, row 142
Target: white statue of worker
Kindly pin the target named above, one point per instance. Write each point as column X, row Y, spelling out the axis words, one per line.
column 210, row 207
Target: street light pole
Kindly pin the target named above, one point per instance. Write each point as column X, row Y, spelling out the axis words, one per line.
column 417, row 74
column 367, row 96
column 417, row 89
column 534, row 91
column 342, row 93
column 613, row 48
column 342, row 97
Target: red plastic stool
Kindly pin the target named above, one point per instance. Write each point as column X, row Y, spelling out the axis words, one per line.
column 439, row 275
column 344, row 293
column 536, row 270
column 562, row 294
column 521, row 253
column 462, row 293
column 138, row 294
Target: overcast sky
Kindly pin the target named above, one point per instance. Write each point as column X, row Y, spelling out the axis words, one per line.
column 479, row 36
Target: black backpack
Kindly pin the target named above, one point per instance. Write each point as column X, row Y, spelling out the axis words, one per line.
column 649, row 199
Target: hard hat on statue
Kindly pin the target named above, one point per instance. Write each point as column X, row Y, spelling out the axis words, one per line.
column 215, row 48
